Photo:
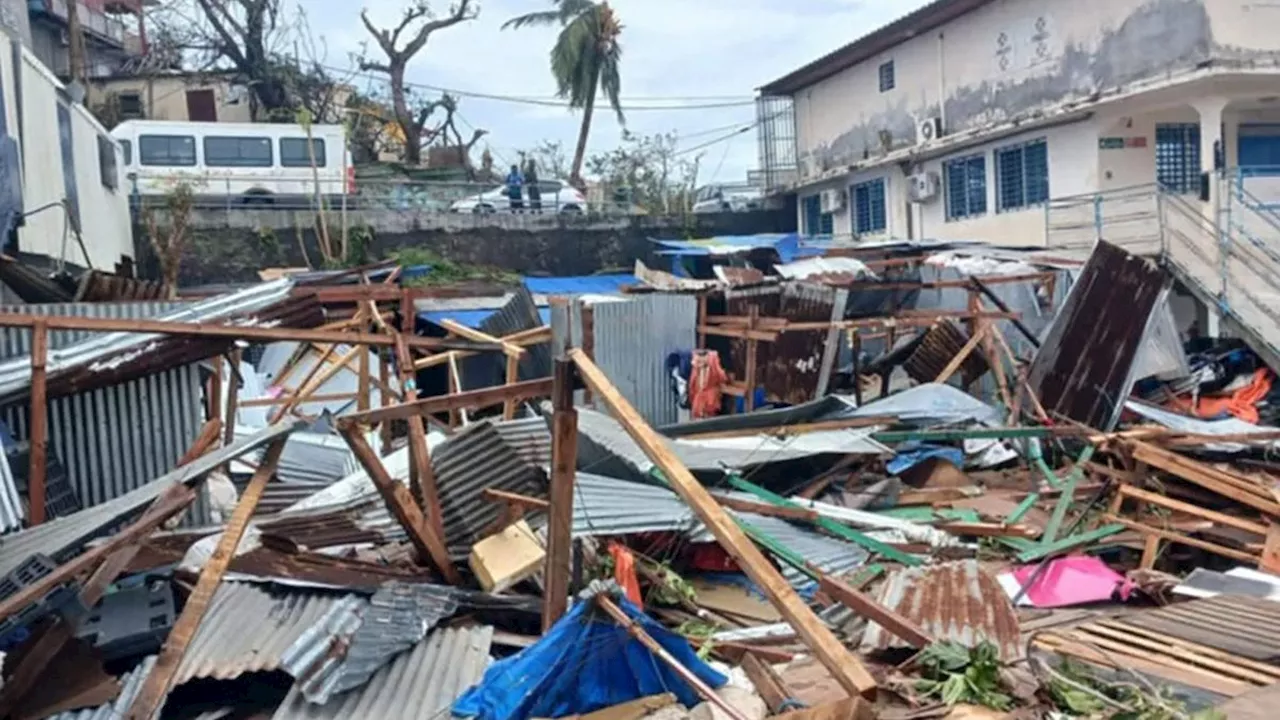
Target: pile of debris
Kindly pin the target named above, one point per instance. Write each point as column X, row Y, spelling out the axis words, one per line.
column 1009, row 488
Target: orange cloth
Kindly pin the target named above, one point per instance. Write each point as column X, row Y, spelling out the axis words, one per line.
column 624, row 571
column 706, row 377
column 1242, row 403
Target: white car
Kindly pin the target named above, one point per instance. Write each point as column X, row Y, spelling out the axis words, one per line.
column 727, row 198
column 556, row 197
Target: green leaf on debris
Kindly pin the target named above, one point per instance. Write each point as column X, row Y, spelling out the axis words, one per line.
column 953, row 674
column 446, row 272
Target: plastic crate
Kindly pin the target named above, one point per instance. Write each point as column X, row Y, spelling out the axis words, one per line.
column 30, row 571
column 60, row 499
column 132, row 621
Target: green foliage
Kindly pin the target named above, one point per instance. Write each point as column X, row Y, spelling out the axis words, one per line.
column 1078, row 692
column 445, row 271
column 673, row 590
column 648, row 168
column 699, row 633
column 955, row 674
column 586, row 52
column 359, row 240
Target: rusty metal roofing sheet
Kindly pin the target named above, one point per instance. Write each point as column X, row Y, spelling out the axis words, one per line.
column 604, row 506
column 958, row 602
column 1084, row 369
column 788, row 369
column 344, row 650
column 1237, row 624
column 468, row 462
column 64, row 537
column 420, row 684
column 939, row 346
column 248, row 628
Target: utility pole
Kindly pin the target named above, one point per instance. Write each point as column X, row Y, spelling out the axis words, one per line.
column 75, row 44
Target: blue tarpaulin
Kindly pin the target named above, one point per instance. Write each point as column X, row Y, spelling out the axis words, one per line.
column 908, row 456
column 580, row 285
column 788, row 246
column 584, row 663
column 472, row 318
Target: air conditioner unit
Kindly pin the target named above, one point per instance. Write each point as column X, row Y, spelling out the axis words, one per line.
column 831, row 200
column 928, row 130
column 925, row 187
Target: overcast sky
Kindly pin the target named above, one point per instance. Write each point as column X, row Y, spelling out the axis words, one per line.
column 709, row 51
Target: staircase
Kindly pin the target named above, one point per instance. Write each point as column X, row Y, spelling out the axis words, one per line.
column 1232, row 265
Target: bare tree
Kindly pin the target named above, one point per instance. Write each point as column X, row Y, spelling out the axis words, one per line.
column 400, row 44
column 169, row 230
column 249, row 35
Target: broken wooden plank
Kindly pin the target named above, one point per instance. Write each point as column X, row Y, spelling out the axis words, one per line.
column 155, row 687
column 843, row 665
column 564, row 463
column 39, row 422
column 768, row 684
column 426, row 540
column 473, row 399
column 769, row 509
column 865, row 606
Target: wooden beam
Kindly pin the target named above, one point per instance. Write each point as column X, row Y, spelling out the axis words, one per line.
column 155, row 687
column 843, row 665
column 513, row 377
column 502, row 496
column 424, row 537
column 564, row 463
column 1217, row 518
column 524, row 338
column 981, row 529
column 363, row 389
column 232, row 332
column 422, row 474
column 760, row 508
column 462, row 331
column 233, row 393
column 772, row 689
column 204, row 442
column 634, row 630
column 281, row 400
column 795, row 430
column 473, row 399
column 868, row 608
column 960, row 357
column 39, row 420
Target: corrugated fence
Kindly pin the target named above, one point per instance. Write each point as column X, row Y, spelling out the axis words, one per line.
column 115, row 439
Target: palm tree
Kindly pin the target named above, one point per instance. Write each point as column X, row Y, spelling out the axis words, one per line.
column 585, row 59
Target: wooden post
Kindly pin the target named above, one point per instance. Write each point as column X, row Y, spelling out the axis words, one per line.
column 513, row 377
column 362, row 394
column 384, row 375
column 422, row 475
column 702, row 320
column 855, row 339
column 233, row 394
column 213, row 401
column 155, row 688
column 425, row 539
column 843, row 665
column 564, row 462
column 39, row 445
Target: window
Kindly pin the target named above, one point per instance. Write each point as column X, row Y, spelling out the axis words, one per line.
column 868, row 207
column 126, row 149
column 887, row 77
column 1178, row 156
column 170, row 150
column 130, row 104
column 293, row 152
column 966, row 186
column 817, row 222
column 1259, row 149
column 237, row 152
column 1022, row 175
column 107, row 165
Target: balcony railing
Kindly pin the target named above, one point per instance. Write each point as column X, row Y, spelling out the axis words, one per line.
column 95, row 22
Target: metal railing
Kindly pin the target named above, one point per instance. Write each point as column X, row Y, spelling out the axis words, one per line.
column 1226, row 260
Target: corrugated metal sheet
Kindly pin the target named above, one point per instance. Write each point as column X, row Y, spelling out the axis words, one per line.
column 519, row 313
column 939, row 346
column 248, row 628
column 788, row 369
column 607, row 448
column 1085, row 367
column 827, row 554
column 529, row 437
column 1237, row 624
column 957, row 602
column 16, row 342
column 310, row 457
column 64, row 537
column 832, row 270
column 417, row 685
column 831, row 407
column 467, row 463
column 361, row 520
column 604, row 506
column 327, row 663
column 130, row 684
column 632, row 341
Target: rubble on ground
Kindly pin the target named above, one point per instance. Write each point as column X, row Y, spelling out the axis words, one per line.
column 885, row 482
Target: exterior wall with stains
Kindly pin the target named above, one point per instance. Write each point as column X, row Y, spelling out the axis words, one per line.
column 1006, row 60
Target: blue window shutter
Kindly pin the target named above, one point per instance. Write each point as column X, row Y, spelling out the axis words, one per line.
column 977, row 185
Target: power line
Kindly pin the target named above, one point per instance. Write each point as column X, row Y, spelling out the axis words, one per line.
column 722, row 138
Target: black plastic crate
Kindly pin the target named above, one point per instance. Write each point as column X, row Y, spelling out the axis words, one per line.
column 30, row 571
column 132, row 621
column 60, row 499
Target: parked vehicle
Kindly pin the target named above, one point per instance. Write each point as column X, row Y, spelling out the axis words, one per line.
column 557, row 196
column 727, row 198
column 247, row 163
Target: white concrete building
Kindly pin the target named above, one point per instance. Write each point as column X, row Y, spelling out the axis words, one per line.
column 963, row 119
column 59, row 170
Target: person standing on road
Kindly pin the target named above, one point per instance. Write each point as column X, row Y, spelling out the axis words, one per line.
column 515, row 182
column 535, row 192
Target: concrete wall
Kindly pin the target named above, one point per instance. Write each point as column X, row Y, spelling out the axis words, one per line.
column 33, row 117
column 1013, row 57
column 232, row 247
column 165, row 98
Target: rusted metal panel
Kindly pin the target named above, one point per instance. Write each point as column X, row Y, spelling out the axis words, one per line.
column 788, row 368
column 1084, row 369
column 937, row 349
column 958, row 602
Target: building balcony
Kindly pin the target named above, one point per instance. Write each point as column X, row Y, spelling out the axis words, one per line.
column 97, row 24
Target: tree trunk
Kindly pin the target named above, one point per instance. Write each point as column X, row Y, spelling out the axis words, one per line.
column 579, row 155
column 412, row 154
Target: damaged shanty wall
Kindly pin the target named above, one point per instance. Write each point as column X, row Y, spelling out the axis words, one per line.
column 789, row 369
column 114, row 439
column 1005, row 60
column 1086, row 367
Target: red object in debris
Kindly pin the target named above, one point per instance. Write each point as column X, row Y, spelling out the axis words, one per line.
column 706, row 377
column 1242, row 403
column 710, row 557
column 624, row 571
